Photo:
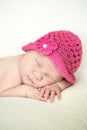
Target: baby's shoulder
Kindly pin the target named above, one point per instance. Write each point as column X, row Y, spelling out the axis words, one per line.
column 9, row 71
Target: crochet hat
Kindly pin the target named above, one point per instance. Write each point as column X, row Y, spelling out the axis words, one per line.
column 63, row 48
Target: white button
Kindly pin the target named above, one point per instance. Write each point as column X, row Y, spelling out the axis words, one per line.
column 44, row 45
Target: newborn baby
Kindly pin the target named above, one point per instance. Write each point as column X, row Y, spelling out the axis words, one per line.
column 45, row 70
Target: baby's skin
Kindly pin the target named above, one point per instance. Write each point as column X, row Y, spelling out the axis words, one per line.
column 30, row 75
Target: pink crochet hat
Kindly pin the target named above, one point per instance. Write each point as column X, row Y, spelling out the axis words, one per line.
column 63, row 48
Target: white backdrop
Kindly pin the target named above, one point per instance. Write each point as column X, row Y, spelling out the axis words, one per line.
column 22, row 21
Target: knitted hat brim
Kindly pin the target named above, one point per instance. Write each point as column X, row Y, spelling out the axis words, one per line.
column 60, row 66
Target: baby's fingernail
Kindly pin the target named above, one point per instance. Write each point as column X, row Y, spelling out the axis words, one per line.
column 51, row 101
column 59, row 98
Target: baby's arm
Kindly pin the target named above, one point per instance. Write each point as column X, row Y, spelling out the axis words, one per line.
column 64, row 84
column 49, row 91
column 22, row 91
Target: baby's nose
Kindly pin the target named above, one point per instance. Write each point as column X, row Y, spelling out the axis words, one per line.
column 37, row 75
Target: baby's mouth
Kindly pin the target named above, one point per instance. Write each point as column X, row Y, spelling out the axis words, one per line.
column 33, row 84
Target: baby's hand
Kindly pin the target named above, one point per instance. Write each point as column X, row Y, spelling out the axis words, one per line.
column 50, row 91
column 33, row 93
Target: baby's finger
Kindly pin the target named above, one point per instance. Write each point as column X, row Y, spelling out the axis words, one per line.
column 37, row 97
column 58, row 95
column 39, row 89
column 46, row 94
column 52, row 96
column 41, row 98
column 42, row 92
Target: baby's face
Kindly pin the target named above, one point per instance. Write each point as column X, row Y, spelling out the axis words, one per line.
column 38, row 71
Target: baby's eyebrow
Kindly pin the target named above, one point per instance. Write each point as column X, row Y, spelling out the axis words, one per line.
column 38, row 63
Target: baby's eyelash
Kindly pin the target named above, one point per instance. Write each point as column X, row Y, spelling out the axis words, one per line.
column 48, row 75
column 38, row 63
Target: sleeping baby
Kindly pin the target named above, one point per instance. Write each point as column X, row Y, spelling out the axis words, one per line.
column 45, row 69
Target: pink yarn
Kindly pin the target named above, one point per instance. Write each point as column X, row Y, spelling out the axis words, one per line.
column 63, row 48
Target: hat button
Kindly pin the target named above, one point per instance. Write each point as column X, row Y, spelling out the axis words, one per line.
column 44, row 45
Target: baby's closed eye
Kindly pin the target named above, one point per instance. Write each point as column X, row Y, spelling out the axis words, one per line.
column 38, row 63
